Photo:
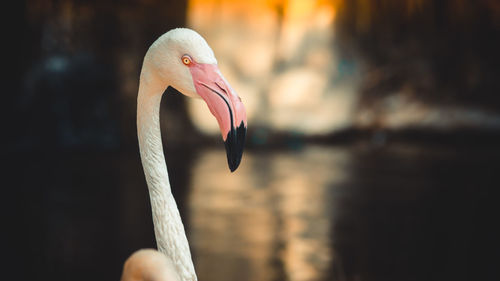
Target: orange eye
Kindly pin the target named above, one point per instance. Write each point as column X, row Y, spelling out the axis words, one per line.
column 186, row 60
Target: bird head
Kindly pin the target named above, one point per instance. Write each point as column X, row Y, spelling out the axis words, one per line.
column 182, row 59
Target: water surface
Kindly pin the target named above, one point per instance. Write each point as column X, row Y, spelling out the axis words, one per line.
column 399, row 212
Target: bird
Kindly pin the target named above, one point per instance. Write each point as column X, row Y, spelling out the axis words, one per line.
column 149, row 264
column 182, row 59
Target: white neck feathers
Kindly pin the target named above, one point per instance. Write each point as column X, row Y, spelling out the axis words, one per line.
column 169, row 230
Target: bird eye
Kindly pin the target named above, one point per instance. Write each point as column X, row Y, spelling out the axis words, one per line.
column 186, row 60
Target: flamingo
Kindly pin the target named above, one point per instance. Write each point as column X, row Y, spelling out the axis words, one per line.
column 182, row 59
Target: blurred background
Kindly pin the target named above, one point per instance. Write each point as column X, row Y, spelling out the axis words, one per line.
column 372, row 151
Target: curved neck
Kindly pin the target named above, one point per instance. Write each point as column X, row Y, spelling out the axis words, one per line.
column 169, row 230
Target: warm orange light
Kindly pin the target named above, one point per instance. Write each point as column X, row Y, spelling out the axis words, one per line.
column 277, row 54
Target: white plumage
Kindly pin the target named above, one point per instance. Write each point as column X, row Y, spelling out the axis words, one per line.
column 180, row 58
column 162, row 68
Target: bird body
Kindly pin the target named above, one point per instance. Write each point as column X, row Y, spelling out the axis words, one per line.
column 149, row 264
column 180, row 58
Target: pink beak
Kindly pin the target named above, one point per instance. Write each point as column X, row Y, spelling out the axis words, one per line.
column 225, row 105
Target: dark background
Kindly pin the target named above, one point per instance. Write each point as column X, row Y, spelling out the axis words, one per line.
column 75, row 200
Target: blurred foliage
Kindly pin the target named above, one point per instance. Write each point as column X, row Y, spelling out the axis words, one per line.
column 442, row 52
column 79, row 59
column 69, row 102
column 436, row 51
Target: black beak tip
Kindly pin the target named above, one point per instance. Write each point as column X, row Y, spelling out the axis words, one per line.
column 233, row 167
column 234, row 144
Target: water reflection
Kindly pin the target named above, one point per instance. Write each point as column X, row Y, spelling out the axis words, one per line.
column 396, row 212
column 268, row 221
column 343, row 213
